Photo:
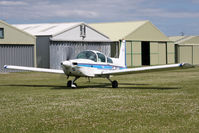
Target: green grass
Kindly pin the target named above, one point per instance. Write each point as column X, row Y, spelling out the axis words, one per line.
column 166, row 101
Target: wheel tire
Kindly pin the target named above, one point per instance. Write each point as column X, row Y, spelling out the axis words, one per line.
column 69, row 83
column 74, row 86
column 115, row 84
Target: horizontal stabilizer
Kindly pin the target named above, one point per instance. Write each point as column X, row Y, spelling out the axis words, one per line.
column 32, row 69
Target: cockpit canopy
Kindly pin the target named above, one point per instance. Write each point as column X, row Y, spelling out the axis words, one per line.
column 94, row 56
column 87, row 55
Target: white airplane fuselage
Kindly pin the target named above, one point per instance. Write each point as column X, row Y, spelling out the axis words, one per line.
column 87, row 68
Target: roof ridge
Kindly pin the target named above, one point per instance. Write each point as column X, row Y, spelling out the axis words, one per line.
column 50, row 23
column 10, row 25
column 45, row 27
column 185, row 38
column 119, row 22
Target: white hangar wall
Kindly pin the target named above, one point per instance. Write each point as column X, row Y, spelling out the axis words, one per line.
column 56, row 42
column 68, row 44
column 74, row 34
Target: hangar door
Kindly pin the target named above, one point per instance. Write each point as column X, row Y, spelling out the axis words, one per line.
column 170, row 53
column 61, row 51
column 20, row 55
column 196, row 54
column 146, row 53
column 187, row 54
column 158, row 53
column 133, row 53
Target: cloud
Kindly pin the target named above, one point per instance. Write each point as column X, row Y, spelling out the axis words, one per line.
column 195, row 1
column 12, row 3
column 44, row 10
column 167, row 14
column 101, row 10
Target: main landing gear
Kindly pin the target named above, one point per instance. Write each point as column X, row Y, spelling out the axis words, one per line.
column 71, row 83
column 114, row 83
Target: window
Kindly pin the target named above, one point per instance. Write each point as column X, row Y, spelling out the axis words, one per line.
column 1, row 33
column 109, row 60
column 87, row 55
column 101, row 57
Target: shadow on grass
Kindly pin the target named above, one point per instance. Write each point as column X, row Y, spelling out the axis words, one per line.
column 127, row 86
column 130, row 87
column 39, row 86
column 98, row 85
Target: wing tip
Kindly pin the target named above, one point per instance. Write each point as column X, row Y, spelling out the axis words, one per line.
column 186, row 65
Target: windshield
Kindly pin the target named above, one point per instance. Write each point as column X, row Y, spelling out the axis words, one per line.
column 87, row 55
column 101, row 57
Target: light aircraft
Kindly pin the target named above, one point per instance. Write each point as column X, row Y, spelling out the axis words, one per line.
column 94, row 64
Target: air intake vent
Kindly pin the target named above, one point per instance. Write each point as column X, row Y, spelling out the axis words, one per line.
column 82, row 31
column 75, row 63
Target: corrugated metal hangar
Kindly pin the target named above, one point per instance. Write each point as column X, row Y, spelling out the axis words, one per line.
column 62, row 41
column 146, row 45
column 16, row 47
column 186, row 49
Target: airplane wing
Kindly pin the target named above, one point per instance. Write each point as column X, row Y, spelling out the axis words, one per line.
column 143, row 69
column 32, row 69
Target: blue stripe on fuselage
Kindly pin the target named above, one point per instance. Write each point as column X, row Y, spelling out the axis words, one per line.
column 100, row 66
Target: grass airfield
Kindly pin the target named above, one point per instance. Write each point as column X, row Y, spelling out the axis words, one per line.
column 164, row 101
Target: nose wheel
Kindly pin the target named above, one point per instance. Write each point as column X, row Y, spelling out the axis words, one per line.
column 71, row 83
column 114, row 83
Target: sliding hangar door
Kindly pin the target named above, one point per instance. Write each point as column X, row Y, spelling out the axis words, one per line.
column 149, row 53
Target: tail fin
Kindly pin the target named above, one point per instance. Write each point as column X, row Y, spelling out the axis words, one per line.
column 122, row 56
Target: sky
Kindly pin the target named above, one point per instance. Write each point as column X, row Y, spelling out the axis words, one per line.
column 172, row 17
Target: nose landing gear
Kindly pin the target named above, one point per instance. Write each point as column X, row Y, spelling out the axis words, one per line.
column 71, row 83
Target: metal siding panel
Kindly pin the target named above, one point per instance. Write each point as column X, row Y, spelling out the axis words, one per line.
column 136, row 53
column 43, row 44
column 137, row 60
column 16, row 55
column 170, row 53
column 128, row 59
column 185, row 54
column 1, row 59
column 162, row 53
column 129, row 54
column 128, row 47
column 171, row 58
column 60, row 51
column 154, row 53
column 195, row 55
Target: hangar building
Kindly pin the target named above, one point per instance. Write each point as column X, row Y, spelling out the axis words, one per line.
column 186, row 49
column 16, row 47
column 146, row 44
column 57, row 42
